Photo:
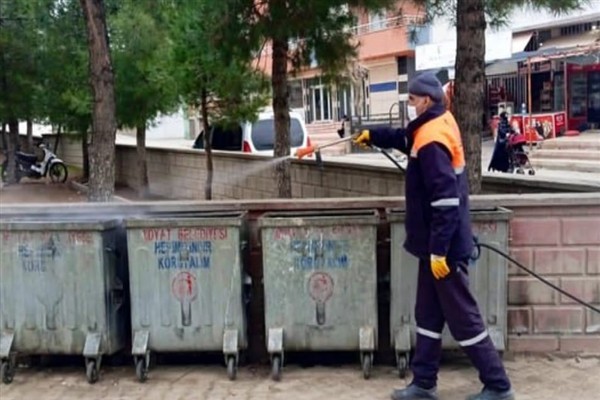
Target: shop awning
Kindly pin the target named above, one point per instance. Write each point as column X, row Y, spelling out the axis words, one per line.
column 566, row 42
column 501, row 68
column 579, row 51
column 520, row 41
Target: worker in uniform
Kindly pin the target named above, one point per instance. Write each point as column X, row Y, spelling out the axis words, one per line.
column 438, row 233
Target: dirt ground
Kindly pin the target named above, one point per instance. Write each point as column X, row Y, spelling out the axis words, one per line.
column 533, row 379
column 42, row 191
column 39, row 192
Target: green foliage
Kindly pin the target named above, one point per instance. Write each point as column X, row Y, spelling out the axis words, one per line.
column 209, row 60
column 19, row 58
column 141, row 52
column 66, row 98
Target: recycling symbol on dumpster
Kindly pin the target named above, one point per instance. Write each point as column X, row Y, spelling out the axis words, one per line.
column 185, row 289
column 320, row 288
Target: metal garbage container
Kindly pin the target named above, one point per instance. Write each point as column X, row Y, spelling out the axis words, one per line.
column 186, row 280
column 487, row 279
column 61, row 290
column 320, row 282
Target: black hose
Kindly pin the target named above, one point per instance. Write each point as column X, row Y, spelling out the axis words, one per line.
column 479, row 245
column 476, row 256
column 392, row 159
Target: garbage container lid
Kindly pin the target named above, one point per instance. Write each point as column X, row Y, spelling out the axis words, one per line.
column 59, row 223
column 174, row 219
column 319, row 218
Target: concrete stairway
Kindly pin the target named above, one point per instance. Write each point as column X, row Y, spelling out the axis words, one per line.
column 323, row 132
column 578, row 154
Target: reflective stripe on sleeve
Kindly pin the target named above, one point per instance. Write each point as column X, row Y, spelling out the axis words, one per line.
column 448, row 202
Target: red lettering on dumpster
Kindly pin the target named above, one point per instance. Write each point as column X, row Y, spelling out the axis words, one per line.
column 340, row 230
column 207, row 233
column 154, row 234
column 79, row 237
column 485, row 227
column 346, row 230
column 280, row 233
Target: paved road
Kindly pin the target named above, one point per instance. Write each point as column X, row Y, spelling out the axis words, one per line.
column 534, row 379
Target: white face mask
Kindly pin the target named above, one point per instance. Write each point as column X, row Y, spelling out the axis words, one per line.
column 411, row 111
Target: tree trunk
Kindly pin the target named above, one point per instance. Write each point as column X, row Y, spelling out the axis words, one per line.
column 282, row 116
column 207, row 145
column 470, row 83
column 30, row 136
column 85, row 151
column 13, row 143
column 142, row 165
column 4, row 137
column 57, row 141
column 104, row 126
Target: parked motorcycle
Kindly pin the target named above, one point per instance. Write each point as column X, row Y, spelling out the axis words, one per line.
column 29, row 167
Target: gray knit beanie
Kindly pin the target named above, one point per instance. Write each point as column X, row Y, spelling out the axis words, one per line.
column 426, row 84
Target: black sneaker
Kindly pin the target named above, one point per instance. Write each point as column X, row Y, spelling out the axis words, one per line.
column 489, row 394
column 414, row 392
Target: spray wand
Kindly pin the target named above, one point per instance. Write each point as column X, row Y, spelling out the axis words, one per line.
column 316, row 150
column 309, row 150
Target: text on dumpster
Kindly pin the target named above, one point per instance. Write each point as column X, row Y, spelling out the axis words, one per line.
column 320, row 253
column 183, row 248
column 35, row 257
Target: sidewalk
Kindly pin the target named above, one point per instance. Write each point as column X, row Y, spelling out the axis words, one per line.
column 533, row 379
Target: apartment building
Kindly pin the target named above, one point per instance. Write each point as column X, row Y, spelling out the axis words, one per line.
column 386, row 56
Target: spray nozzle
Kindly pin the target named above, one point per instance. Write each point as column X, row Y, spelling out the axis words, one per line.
column 305, row 152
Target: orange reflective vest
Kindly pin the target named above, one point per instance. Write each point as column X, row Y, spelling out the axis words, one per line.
column 443, row 130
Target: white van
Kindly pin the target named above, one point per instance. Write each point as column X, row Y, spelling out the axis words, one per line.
column 257, row 137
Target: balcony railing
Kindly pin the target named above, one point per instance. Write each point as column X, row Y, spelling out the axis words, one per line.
column 363, row 29
column 389, row 23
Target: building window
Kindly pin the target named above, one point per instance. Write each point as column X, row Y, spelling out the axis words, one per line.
column 402, row 87
column 295, row 90
column 377, row 20
column 578, row 29
column 544, row 36
column 320, row 104
column 402, row 63
column 313, row 59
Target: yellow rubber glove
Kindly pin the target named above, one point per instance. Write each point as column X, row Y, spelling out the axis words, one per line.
column 364, row 139
column 439, row 267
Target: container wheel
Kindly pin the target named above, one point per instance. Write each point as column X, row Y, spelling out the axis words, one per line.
column 402, row 366
column 7, row 372
column 531, row 172
column 91, row 371
column 520, row 171
column 367, row 363
column 276, row 368
column 231, row 368
column 141, row 369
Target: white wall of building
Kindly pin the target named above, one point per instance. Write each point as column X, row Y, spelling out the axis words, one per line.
column 381, row 101
column 442, row 29
column 441, row 50
column 172, row 126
